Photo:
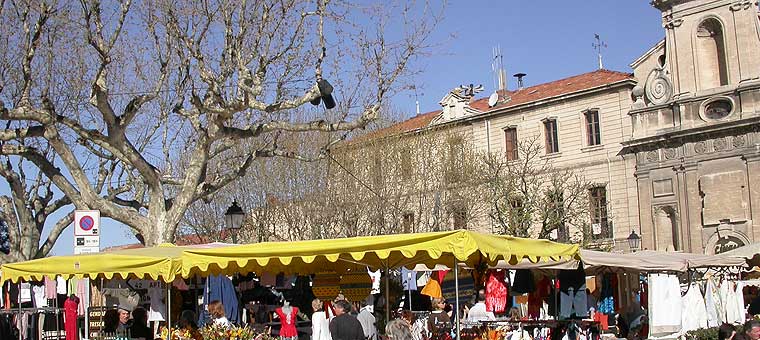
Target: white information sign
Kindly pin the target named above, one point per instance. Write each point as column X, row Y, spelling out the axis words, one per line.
column 86, row 250
column 86, row 241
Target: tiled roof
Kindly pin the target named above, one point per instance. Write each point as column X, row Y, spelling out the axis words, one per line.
column 417, row 122
column 555, row 88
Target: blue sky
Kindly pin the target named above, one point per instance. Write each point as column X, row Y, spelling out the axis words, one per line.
column 546, row 40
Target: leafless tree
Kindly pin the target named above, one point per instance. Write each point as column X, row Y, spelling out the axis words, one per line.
column 140, row 110
column 530, row 197
column 373, row 184
column 25, row 211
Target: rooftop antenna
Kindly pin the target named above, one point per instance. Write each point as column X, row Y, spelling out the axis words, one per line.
column 500, row 79
column 497, row 66
column 416, row 98
column 598, row 45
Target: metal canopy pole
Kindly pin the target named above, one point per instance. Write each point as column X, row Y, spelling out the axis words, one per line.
column 409, row 276
column 168, row 311
column 456, row 296
column 387, row 293
column 18, row 300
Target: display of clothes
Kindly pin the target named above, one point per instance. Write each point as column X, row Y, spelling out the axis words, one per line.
column 693, row 311
column 496, row 291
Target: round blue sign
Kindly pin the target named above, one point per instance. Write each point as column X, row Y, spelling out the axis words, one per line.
column 86, row 223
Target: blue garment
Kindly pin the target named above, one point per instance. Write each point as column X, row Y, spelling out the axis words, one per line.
column 409, row 279
column 219, row 287
column 607, row 300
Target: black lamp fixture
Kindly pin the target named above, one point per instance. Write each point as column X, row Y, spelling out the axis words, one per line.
column 634, row 241
column 325, row 94
column 233, row 218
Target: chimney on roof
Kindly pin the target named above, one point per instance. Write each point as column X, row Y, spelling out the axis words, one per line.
column 519, row 77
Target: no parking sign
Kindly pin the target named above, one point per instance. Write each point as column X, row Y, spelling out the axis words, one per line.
column 86, row 222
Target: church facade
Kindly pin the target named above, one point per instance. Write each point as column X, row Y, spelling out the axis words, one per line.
column 695, row 122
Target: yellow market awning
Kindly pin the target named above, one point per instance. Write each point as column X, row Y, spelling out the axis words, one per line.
column 374, row 251
column 157, row 263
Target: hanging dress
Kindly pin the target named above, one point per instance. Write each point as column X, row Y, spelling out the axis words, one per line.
column 70, row 318
column 288, row 322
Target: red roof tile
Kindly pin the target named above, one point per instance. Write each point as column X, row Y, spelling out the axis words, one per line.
column 555, row 88
column 417, row 122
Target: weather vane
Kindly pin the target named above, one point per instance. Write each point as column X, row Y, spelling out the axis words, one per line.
column 598, row 45
column 470, row 90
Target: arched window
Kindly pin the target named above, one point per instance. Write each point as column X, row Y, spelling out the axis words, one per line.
column 711, row 55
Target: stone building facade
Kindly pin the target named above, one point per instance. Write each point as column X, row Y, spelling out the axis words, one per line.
column 695, row 120
column 672, row 150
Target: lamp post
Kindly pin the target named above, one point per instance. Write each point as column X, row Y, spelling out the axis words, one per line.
column 634, row 241
column 233, row 219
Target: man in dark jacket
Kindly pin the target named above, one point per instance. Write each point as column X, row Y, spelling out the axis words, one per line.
column 139, row 328
column 345, row 326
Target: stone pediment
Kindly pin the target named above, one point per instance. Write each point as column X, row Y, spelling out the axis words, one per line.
column 456, row 105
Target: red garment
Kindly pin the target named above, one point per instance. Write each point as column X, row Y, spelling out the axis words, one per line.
column 70, row 318
column 602, row 320
column 441, row 275
column 536, row 298
column 496, row 291
column 288, row 322
column 644, row 296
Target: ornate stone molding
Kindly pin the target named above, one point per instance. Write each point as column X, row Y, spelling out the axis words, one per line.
column 672, row 23
column 700, row 147
column 740, row 5
column 669, row 153
column 652, row 156
column 720, row 144
column 658, row 88
column 739, row 141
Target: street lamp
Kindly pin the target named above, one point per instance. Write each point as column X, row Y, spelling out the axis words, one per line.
column 233, row 219
column 634, row 241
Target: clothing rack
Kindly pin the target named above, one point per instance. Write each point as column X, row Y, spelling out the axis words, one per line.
column 31, row 309
column 56, row 310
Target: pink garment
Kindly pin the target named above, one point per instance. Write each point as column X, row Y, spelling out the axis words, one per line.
column 180, row 284
column 83, row 287
column 50, row 288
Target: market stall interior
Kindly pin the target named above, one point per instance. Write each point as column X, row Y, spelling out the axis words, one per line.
column 344, row 256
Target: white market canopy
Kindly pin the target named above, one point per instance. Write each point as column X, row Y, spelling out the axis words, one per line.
column 642, row 261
